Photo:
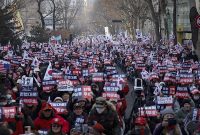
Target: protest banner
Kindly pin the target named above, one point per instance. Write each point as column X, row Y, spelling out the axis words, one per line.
column 164, row 100
column 148, row 111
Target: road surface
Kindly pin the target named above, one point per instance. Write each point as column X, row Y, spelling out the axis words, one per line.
column 130, row 99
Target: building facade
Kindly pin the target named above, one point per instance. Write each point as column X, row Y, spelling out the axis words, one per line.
column 183, row 21
column 30, row 16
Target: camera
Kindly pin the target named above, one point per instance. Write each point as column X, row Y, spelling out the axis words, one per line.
column 138, row 86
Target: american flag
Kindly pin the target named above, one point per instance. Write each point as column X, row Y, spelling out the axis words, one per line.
column 4, row 67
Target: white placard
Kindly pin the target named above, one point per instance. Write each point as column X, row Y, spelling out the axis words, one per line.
column 164, row 100
column 27, row 81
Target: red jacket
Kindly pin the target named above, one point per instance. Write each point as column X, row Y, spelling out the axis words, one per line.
column 19, row 128
column 125, row 90
column 41, row 123
column 121, row 108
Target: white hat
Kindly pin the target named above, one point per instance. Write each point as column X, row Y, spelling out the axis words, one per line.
column 19, row 81
column 15, row 88
column 23, row 63
column 36, row 69
column 19, row 69
column 58, row 98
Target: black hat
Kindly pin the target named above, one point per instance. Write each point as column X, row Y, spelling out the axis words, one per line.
column 186, row 101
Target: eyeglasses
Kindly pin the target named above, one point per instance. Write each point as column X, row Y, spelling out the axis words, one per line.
column 29, row 107
column 47, row 110
column 56, row 125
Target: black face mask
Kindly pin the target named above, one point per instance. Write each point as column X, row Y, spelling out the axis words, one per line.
column 172, row 122
column 137, row 132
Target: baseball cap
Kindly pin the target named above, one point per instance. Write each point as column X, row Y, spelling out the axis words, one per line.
column 46, row 106
column 140, row 121
column 77, row 105
column 58, row 99
column 57, row 121
column 100, row 102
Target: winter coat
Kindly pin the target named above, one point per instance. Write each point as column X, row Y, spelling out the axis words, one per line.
column 19, row 128
column 125, row 90
column 108, row 119
column 51, row 133
column 181, row 115
column 18, row 124
column 160, row 130
column 76, row 120
column 121, row 108
column 42, row 123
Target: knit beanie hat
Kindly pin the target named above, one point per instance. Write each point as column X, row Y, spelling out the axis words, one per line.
column 167, row 111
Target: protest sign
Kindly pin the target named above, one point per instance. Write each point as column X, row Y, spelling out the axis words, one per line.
column 149, row 111
column 110, row 95
column 59, row 107
column 164, row 100
column 182, row 92
column 8, row 113
column 111, row 88
column 83, row 92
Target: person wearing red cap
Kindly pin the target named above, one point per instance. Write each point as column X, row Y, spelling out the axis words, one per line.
column 141, row 127
column 46, row 115
column 56, row 127
column 195, row 95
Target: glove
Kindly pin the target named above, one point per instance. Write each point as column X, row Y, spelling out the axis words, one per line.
column 19, row 116
column 98, row 127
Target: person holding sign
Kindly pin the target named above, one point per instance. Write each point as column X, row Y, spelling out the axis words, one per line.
column 195, row 96
column 183, row 113
column 77, row 118
column 56, row 127
column 46, row 115
column 103, row 114
column 141, row 127
column 95, row 90
column 168, row 125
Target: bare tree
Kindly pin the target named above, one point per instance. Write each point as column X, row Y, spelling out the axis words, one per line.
column 70, row 12
column 42, row 17
column 155, row 20
column 53, row 13
column 174, row 22
column 195, row 31
column 43, row 11
column 133, row 12
column 63, row 11
column 163, row 5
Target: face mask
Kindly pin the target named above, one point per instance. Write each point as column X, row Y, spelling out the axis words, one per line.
column 3, row 103
column 172, row 122
column 196, row 97
column 137, row 132
column 8, row 96
column 100, row 110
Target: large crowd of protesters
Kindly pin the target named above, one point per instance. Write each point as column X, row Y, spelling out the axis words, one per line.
column 76, row 88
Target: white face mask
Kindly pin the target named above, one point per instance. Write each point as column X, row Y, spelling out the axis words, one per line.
column 3, row 103
column 196, row 97
column 100, row 110
column 9, row 96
